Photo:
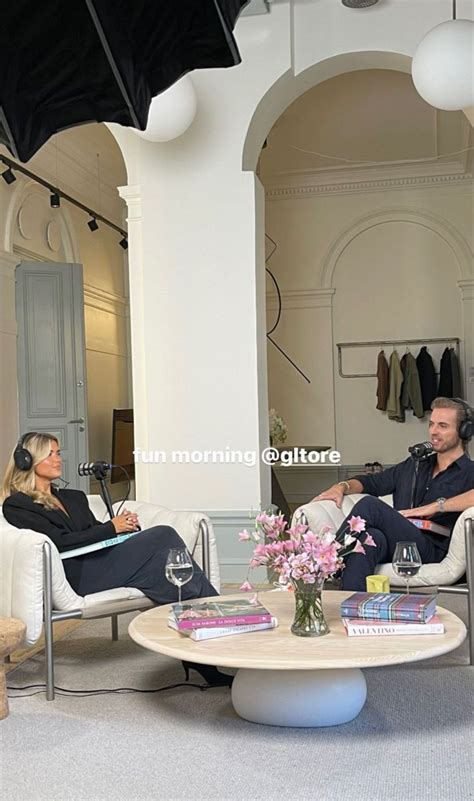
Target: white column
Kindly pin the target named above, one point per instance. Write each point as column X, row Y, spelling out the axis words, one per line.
column 198, row 339
column 138, row 336
column 8, row 360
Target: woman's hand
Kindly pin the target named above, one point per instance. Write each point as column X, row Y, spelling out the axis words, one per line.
column 125, row 522
column 421, row 511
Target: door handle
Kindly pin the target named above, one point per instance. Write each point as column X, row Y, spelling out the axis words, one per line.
column 79, row 421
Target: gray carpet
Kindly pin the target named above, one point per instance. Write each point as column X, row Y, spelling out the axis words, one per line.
column 412, row 740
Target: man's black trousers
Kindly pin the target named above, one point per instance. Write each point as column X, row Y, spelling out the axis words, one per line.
column 387, row 527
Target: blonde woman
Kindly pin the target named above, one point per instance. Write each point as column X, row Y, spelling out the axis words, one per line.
column 31, row 501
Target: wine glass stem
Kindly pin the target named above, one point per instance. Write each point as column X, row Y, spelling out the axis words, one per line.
column 408, row 586
column 179, row 593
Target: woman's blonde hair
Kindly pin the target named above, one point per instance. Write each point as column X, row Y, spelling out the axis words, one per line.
column 15, row 480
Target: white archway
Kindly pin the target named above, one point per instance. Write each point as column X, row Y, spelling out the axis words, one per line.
column 440, row 226
column 290, row 86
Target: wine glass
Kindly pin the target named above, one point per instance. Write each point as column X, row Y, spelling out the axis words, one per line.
column 406, row 561
column 179, row 568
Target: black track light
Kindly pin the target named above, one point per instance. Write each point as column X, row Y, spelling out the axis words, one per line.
column 55, row 200
column 8, row 176
column 93, row 224
column 124, row 243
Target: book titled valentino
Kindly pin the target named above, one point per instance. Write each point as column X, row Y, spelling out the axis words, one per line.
column 389, row 606
column 219, row 613
column 383, row 628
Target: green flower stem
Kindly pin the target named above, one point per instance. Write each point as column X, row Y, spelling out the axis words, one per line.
column 309, row 620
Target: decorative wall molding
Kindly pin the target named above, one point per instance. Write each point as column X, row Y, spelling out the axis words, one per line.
column 30, row 255
column 8, row 327
column 467, row 289
column 426, row 219
column 8, row 263
column 302, row 299
column 105, row 301
column 110, row 349
column 65, row 227
column 234, row 557
column 133, row 198
column 301, row 191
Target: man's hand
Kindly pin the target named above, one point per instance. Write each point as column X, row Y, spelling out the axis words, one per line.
column 334, row 493
column 420, row 511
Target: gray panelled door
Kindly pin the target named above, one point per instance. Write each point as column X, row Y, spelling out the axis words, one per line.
column 51, row 358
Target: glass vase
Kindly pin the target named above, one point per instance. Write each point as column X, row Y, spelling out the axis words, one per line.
column 309, row 620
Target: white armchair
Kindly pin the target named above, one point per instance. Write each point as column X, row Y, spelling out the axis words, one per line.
column 445, row 575
column 34, row 587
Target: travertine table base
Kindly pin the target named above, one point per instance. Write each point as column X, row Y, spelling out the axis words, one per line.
column 284, row 680
column 299, row 697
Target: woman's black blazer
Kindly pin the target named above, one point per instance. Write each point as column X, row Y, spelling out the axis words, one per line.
column 73, row 530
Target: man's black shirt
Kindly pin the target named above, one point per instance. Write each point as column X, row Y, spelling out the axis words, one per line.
column 398, row 481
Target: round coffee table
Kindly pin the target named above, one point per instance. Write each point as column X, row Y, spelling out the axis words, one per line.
column 285, row 680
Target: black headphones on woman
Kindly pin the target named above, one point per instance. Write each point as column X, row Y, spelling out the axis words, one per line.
column 21, row 455
column 466, row 426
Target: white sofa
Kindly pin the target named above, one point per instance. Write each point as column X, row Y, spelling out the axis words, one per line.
column 34, row 587
column 443, row 575
column 450, row 570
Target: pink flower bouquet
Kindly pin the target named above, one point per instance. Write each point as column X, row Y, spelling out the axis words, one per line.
column 298, row 554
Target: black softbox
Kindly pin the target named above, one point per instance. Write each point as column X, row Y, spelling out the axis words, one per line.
column 68, row 62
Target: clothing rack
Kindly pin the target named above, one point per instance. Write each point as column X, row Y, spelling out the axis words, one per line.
column 393, row 342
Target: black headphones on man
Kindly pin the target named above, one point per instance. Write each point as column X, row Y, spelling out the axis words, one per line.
column 21, row 455
column 466, row 426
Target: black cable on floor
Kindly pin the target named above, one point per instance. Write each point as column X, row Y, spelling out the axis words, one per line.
column 68, row 693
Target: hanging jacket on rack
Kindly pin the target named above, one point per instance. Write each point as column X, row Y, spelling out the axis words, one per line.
column 394, row 408
column 456, row 374
column 427, row 375
column 382, row 381
column 411, row 390
column 445, row 387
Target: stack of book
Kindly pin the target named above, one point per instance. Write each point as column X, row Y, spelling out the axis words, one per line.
column 205, row 620
column 384, row 613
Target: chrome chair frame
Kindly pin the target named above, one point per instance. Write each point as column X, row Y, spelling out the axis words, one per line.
column 52, row 615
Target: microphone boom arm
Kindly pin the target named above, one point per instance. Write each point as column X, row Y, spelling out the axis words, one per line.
column 104, row 491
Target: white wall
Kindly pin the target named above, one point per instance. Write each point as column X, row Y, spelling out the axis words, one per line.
column 194, row 264
column 398, row 273
column 32, row 230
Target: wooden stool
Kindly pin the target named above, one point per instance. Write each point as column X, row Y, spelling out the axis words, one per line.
column 12, row 632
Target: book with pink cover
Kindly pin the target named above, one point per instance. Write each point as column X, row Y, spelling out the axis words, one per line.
column 357, row 627
column 213, row 632
column 221, row 612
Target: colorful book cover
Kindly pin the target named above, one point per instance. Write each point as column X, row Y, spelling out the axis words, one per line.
column 224, row 631
column 96, row 546
column 380, row 628
column 205, row 614
column 429, row 525
column 389, row 606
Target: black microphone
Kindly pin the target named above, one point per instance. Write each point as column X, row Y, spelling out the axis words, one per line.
column 97, row 469
column 422, row 450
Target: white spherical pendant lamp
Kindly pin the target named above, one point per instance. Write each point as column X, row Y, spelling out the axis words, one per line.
column 171, row 113
column 443, row 65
